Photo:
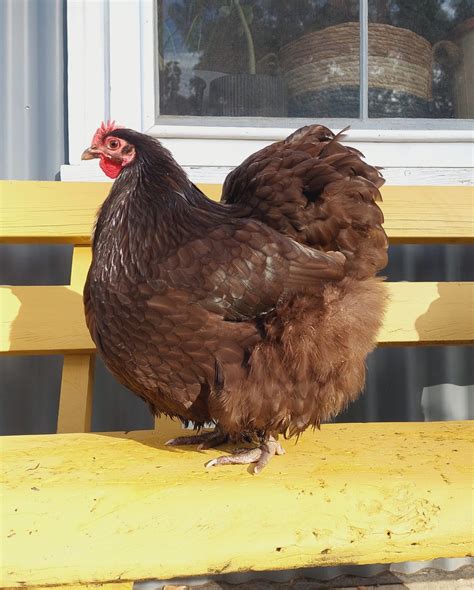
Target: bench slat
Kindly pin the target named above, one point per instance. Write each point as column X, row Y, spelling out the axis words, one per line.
column 50, row 320
column 90, row 508
column 428, row 214
column 43, row 320
column 64, row 211
column 429, row 313
column 75, row 402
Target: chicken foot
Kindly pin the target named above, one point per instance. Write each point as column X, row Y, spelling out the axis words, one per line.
column 259, row 455
column 204, row 440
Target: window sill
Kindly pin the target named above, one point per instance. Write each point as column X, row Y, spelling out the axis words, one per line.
column 191, row 130
column 208, row 153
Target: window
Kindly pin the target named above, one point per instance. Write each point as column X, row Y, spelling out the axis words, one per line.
column 167, row 66
column 362, row 59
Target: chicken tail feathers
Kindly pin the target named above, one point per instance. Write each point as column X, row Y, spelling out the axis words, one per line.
column 317, row 191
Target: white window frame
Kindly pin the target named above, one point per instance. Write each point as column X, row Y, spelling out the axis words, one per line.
column 111, row 74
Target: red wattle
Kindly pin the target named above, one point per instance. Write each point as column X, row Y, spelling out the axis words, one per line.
column 110, row 167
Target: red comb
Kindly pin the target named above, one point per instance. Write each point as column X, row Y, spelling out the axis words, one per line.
column 103, row 130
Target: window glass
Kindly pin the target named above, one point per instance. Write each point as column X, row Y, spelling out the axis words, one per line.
column 421, row 58
column 276, row 58
column 266, row 58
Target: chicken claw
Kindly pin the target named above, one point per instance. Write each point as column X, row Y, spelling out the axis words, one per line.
column 259, row 455
column 205, row 440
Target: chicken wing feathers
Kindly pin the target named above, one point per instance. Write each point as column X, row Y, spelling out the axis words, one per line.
column 240, row 270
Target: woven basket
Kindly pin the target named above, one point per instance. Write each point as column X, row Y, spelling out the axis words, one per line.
column 400, row 62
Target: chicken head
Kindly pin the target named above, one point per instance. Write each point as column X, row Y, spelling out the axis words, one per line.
column 113, row 152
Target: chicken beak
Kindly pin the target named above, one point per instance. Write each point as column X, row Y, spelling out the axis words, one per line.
column 90, row 153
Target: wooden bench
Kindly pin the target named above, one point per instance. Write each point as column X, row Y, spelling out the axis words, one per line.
column 112, row 508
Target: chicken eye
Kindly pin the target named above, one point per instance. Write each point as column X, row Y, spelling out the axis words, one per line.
column 113, row 144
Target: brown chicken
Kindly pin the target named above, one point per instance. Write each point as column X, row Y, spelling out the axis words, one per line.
column 256, row 313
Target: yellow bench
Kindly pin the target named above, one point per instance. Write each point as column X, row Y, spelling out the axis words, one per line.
column 113, row 508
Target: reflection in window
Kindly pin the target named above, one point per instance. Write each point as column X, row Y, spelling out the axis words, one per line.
column 267, row 58
column 275, row 58
column 421, row 58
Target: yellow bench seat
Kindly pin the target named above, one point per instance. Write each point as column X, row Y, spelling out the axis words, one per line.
column 122, row 507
